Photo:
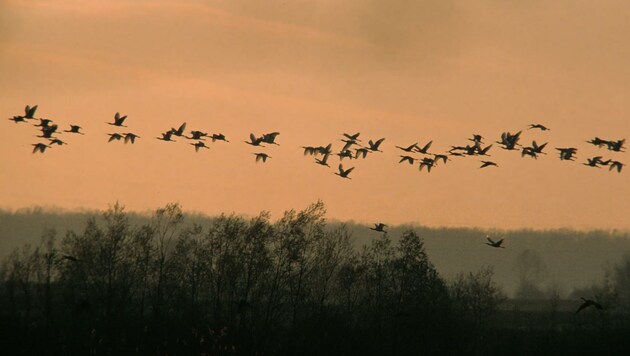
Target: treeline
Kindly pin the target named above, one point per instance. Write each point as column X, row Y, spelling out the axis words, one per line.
column 250, row 286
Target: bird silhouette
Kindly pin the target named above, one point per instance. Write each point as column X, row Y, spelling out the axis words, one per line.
column 496, row 244
column 410, row 149
column 261, row 156
column 538, row 126
column 114, row 136
column 345, row 154
column 427, row 162
column 593, row 162
column 197, row 135
column 616, row 146
column 75, row 129
column 18, row 119
column 56, row 141
column 598, row 142
column 118, row 120
column 130, row 137
column 380, row 227
column 166, row 136
column 409, row 159
column 344, row 173
column 375, row 145
column 477, row 139
column 363, row 152
column 566, row 154
column 179, row 131
column 424, row 149
column 616, row 164
column 44, row 123
column 48, row 131
column 219, row 137
column 354, row 137
column 488, row 164
column 588, row 303
column 199, row 144
column 29, row 112
column 254, row 141
column 437, row 157
column 348, row 144
column 270, row 138
column 41, row 147
column 509, row 141
column 323, row 161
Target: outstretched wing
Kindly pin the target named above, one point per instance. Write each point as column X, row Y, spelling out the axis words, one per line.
column 378, row 143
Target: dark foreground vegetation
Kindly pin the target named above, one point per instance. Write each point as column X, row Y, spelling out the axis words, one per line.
column 293, row 287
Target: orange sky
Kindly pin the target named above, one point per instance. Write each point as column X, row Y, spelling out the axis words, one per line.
column 406, row 70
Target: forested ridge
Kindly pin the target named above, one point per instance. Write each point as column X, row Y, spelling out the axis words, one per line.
column 297, row 285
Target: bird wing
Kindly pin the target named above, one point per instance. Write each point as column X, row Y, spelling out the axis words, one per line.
column 181, row 128
column 426, row 147
column 340, row 168
column 349, row 170
column 31, row 111
column 490, row 240
column 378, row 143
column 252, row 138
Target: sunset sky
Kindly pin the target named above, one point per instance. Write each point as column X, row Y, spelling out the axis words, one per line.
column 409, row 71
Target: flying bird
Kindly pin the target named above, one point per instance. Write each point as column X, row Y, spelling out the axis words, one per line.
column 180, row 131
column 118, row 120
column 496, row 244
column 409, row 148
column 588, row 303
column 409, row 159
column 197, row 135
column 130, row 137
column 254, row 141
column 488, row 164
column 114, row 136
column 29, row 112
column 380, row 227
column 354, row 137
column 166, row 136
column 616, row 164
column 41, row 147
column 219, row 137
column 538, row 126
column 17, row 119
column 427, row 162
column 199, row 145
column 375, row 145
column 75, row 129
column 270, row 138
column 593, row 162
column 262, row 156
column 566, row 154
column 344, row 173
column 363, row 152
column 56, row 141
column 424, row 149
column 323, row 161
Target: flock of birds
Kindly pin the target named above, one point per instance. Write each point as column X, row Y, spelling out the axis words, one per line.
column 353, row 147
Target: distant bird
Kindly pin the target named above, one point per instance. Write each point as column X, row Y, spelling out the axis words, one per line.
column 48, row 131
column 166, row 136
column 616, row 146
column 349, row 143
column 483, row 151
column 270, row 138
column 380, row 227
column 345, row 154
column 588, row 303
column 363, row 152
column 324, row 150
column 262, row 156
column 509, row 141
column 309, row 150
column 593, row 162
column 427, row 162
column 197, row 135
column 354, row 137
column 254, row 141
column 44, row 123
column 41, row 147
column 476, row 139
column 219, row 137
column 70, row 258
column 538, row 126
column 616, row 164
column 114, row 136
column 56, row 141
column 496, row 244
column 29, row 112
column 130, row 137
column 199, row 145
column 375, row 145
column 179, row 131
column 598, row 142
column 424, row 149
column 437, row 157
column 411, row 148
column 566, row 154
column 17, row 119
column 75, row 129
column 323, row 161
column 344, row 173
column 488, row 164
column 409, row 159
column 118, row 120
